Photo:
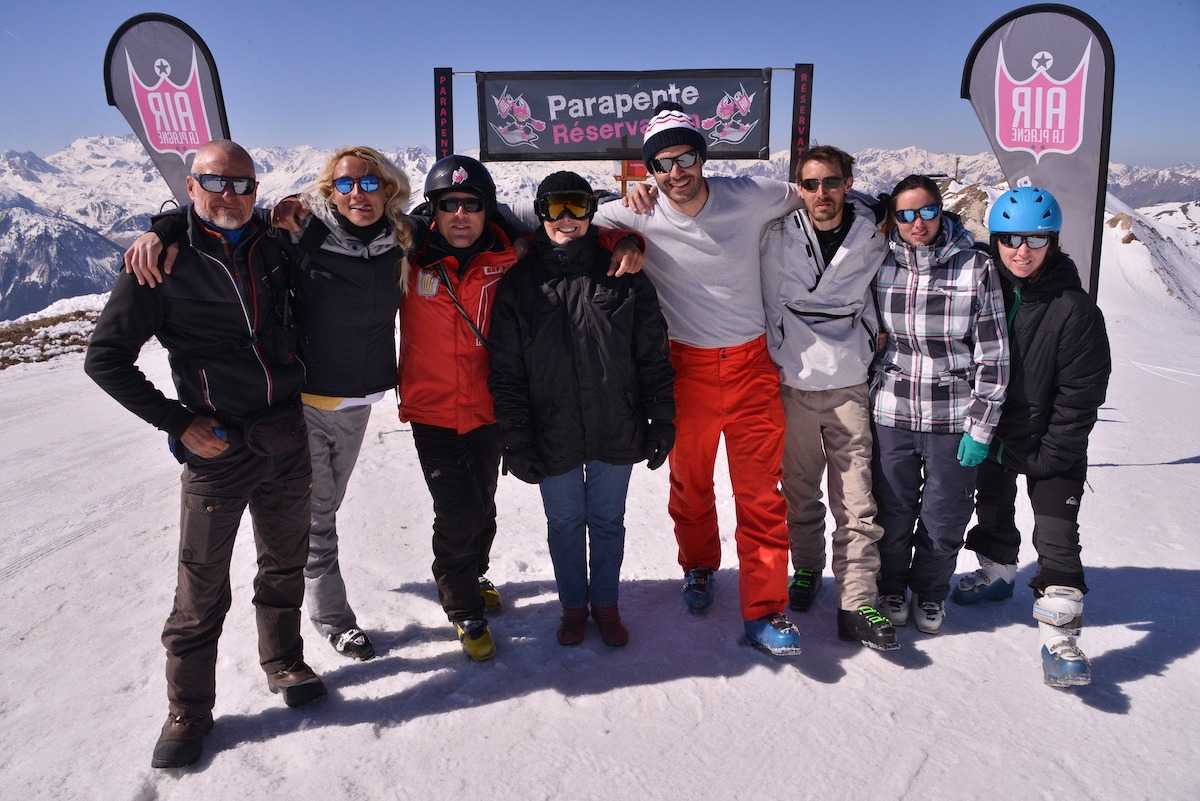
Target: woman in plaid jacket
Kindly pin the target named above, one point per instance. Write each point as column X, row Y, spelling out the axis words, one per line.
column 936, row 394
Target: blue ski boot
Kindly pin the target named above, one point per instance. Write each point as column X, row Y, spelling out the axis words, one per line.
column 1059, row 613
column 991, row 582
column 774, row 634
column 699, row 585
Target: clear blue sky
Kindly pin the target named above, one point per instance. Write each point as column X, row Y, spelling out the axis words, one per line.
column 887, row 74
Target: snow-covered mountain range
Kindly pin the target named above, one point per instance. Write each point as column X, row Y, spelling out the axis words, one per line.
column 64, row 218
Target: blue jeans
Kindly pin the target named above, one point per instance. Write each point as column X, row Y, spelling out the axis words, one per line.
column 587, row 504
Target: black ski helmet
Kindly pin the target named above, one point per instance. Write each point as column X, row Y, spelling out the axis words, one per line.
column 461, row 173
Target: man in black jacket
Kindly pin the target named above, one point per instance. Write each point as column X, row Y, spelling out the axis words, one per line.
column 238, row 429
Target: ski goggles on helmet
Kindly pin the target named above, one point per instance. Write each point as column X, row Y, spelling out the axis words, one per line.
column 450, row 205
column 577, row 205
column 906, row 216
column 345, row 184
column 684, row 160
column 217, row 183
column 1014, row 241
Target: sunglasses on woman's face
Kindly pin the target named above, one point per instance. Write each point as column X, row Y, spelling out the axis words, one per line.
column 1014, row 241
column 345, row 185
column 579, row 205
column 907, row 216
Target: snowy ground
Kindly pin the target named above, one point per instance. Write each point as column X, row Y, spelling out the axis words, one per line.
column 89, row 511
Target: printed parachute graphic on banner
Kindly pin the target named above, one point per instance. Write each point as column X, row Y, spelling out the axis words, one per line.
column 1041, row 82
column 161, row 76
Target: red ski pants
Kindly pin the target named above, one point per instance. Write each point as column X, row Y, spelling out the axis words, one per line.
column 732, row 392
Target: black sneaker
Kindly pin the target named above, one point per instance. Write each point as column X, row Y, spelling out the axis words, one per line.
column 698, row 586
column 181, row 741
column 354, row 643
column 298, row 684
column 803, row 589
column 867, row 626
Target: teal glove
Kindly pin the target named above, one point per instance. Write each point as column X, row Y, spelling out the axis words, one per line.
column 971, row 452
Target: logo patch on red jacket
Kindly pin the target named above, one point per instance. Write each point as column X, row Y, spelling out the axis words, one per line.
column 427, row 283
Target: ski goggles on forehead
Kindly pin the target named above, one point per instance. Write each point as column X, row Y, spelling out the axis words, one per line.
column 684, row 160
column 451, row 205
column 217, row 183
column 906, row 216
column 345, row 184
column 578, row 205
column 1035, row 241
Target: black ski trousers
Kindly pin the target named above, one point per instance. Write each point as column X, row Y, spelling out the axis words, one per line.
column 1055, row 501
column 461, row 471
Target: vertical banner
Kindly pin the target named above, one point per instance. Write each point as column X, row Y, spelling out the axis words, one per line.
column 443, row 111
column 161, row 76
column 801, row 117
column 1041, row 82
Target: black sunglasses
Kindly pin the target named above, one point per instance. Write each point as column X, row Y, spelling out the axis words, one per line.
column 811, row 184
column 217, row 183
column 345, row 184
column 666, row 163
column 579, row 205
column 927, row 213
column 1014, row 241
column 450, row 205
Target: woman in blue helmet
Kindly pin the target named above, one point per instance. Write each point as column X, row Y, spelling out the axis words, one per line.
column 1060, row 366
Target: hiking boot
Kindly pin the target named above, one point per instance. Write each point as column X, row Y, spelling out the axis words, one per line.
column 571, row 625
column 803, row 589
column 867, row 626
column 354, row 643
column 894, row 608
column 492, row 602
column 928, row 615
column 774, row 634
column 991, row 582
column 298, row 684
column 612, row 630
column 699, row 584
column 181, row 741
column 476, row 639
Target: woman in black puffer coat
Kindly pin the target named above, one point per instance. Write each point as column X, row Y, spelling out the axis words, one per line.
column 1060, row 366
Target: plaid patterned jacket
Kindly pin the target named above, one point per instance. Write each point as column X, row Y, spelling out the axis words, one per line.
column 945, row 366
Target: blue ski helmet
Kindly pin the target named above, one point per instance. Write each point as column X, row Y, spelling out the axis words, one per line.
column 1025, row 210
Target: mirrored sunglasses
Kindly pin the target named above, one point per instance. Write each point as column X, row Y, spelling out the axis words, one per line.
column 811, row 184
column 906, row 216
column 684, row 160
column 450, row 205
column 578, row 205
column 345, row 184
column 1035, row 241
column 217, row 183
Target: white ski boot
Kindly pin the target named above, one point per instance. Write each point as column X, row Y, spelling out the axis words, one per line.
column 991, row 582
column 1059, row 613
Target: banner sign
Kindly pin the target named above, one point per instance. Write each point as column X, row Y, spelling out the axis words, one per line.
column 161, row 76
column 1041, row 82
column 567, row 116
column 801, row 117
column 443, row 112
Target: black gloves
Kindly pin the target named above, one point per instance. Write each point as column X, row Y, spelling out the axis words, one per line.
column 660, row 437
column 523, row 463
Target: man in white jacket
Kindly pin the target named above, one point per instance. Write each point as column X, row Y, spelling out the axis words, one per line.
column 817, row 266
